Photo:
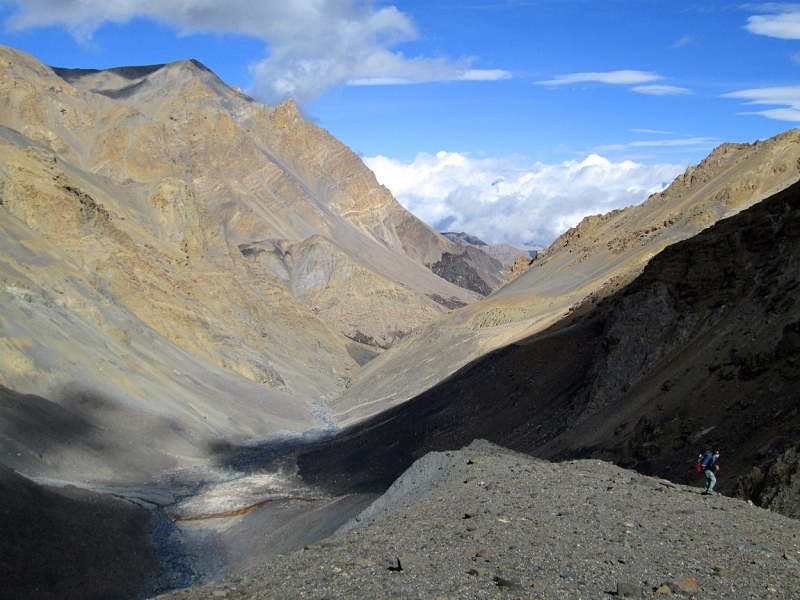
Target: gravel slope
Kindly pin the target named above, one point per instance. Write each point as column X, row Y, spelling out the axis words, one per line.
column 486, row 521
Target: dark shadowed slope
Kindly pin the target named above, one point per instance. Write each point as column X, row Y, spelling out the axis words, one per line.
column 68, row 543
column 702, row 350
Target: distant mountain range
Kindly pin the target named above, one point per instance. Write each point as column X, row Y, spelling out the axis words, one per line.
column 505, row 253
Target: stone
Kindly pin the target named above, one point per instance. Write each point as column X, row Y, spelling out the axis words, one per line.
column 408, row 561
column 722, row 572
column 628, row 590
column 478, row 571
column 686, row 586
column 502, row 582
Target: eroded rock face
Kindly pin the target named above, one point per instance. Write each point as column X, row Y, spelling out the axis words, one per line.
column 456, row 268
column 778, row 486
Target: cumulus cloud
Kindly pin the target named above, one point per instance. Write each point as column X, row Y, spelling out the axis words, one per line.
column 625, row 77
column 782, row 22
column 507, row 200
column 788, row 98
column 312, row 44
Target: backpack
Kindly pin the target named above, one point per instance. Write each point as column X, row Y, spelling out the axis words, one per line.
column 706, row 460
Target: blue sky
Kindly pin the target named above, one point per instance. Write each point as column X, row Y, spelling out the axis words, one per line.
column 508, row 119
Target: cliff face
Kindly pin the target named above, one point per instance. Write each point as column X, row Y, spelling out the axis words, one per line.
column 208, row 265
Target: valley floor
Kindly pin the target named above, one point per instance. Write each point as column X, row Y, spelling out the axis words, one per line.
column 487, row 521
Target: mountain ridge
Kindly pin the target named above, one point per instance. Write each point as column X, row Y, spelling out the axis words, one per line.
column 699, row 351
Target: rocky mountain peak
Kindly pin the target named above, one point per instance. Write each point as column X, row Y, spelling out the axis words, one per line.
column 464, row 238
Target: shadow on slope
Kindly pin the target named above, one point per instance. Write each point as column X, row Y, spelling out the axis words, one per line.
column 86, row 436
column 702, row 350
column 71, row 543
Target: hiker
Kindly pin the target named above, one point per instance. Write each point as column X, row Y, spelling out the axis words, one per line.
column 709, row 465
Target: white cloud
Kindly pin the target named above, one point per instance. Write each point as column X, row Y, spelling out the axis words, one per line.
column 788, row 97
column 695, row 141
column 484, row 75
column 313, row 44
column 422, row 70
column 779, row 114
column 784, row 23
column 661, row 90
column 613, row 77
column 506, row 200
column 652, row 131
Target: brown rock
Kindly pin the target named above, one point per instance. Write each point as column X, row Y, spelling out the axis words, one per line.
column 686, row 586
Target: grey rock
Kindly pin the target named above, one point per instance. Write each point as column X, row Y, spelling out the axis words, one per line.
column 502, row 582
column 628, row 590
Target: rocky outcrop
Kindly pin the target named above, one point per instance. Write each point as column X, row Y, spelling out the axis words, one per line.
column 519, row 267
column 777, row 486
column 456, row 269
